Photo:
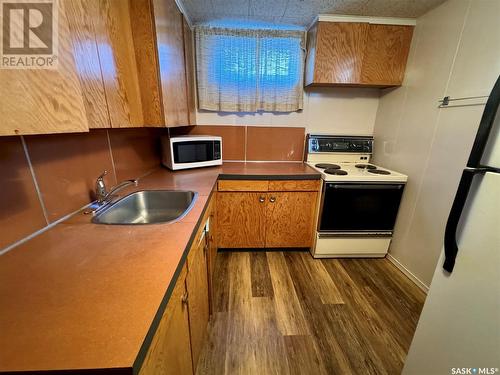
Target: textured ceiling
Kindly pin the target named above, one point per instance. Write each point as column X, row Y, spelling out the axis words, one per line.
column 299, row 12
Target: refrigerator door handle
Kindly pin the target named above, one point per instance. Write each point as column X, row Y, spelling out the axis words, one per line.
column 450, row 234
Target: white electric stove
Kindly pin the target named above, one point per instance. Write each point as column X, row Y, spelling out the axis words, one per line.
column 359, row 200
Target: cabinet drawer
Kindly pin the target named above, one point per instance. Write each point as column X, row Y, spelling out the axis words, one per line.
column 295, row 185
column 243, row 185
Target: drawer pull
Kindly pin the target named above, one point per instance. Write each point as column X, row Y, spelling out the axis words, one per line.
column 262, row 199
column 272, row 199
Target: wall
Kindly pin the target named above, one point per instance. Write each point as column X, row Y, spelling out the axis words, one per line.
column 45, row 178
column 454, row 52
column 253, row 143
column 332, row 110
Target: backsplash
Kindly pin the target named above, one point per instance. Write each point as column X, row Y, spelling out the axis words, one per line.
column 59, row 175
column 46, row 177
column 253, row 143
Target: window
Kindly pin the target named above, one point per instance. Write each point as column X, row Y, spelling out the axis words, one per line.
column 249, row 70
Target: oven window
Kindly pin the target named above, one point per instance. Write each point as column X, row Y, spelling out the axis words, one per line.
column 360, row 207
column 193, row 151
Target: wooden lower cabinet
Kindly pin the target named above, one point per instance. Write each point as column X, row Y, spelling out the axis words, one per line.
column 197, row 287
column 170, row 350
column 290, row 217
column 212, row 248
column 180, row 335
column 268, row 218
column 241, row 219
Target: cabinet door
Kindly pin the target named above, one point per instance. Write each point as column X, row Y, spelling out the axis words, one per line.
column 118, row 64
column 212, row 248
column 241, row 220
column 82, row 15
column 43, row 101
column 197, row 287
column 170, row 48
column 339, row 52
column 385, row 55
column 170, row 350
column 290, row 219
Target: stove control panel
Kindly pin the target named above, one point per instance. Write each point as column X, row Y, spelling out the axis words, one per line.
column 326, row 143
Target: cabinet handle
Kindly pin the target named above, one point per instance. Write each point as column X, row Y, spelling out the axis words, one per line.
column 272, row 199
column 262, row 199
column 185, row 298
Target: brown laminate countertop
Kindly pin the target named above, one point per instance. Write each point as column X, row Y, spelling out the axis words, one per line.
column 86, row 296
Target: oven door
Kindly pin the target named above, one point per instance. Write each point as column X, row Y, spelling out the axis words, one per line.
column 355, row 207
column 196, row 151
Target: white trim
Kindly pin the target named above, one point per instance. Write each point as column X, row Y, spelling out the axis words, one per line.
column 408, row 273
column 365, row 19
column 35, row 182
column 181, row 7
column 111, row 154
column 40, row 231
column 49, row 226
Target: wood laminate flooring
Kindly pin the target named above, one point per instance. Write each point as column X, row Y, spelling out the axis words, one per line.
column 287, row 313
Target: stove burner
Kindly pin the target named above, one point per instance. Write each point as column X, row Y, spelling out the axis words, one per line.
column 327, row 166
column 338, row 172
column 365, row 166
column 378, row 171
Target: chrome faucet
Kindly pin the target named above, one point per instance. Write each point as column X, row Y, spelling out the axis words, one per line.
column 102, row 195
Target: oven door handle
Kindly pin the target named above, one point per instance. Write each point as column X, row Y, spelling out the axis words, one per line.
column 366, row 186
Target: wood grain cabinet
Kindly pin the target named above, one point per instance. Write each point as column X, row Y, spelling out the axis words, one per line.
column 170, row 349
column 180, row 336
column 357, row 54
column 163, row 47
column 282, row 214
column 290, row 217
column 103, row 49
column 198, row 303
column 120, row 64
column 35, row 101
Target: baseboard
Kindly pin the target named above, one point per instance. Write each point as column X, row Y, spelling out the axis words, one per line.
column 408, row 274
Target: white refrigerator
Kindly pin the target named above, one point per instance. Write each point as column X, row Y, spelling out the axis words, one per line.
column 459, row 328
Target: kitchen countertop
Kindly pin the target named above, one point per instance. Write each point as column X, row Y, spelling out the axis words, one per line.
column 89, row 296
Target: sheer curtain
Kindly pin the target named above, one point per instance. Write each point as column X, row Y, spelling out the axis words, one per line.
column 249, row 70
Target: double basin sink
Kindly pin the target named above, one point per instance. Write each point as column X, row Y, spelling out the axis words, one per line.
column 147, row 207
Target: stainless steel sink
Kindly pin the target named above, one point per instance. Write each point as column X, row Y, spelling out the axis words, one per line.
column 147, row 207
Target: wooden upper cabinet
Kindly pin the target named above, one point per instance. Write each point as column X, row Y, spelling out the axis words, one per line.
column 158, row 32
column 335, row 49
column 82, row 14
column 118, row 65
column 42, row 101
column 356, row 54
column 386, row 53
column 170, row 45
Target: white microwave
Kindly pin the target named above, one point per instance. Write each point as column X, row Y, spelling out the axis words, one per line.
column 192, row 151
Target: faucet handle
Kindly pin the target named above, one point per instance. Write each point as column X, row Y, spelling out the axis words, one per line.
column 104, row 173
